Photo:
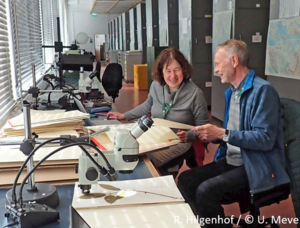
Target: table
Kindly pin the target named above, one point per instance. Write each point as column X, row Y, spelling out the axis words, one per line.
column 144, row 169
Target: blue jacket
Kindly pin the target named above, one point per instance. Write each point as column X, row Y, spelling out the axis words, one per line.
column 260, row 136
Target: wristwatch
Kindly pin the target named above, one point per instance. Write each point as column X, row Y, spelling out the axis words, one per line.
column 225, row 136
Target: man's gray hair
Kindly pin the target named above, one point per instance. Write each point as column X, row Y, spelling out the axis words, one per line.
column 239, row 48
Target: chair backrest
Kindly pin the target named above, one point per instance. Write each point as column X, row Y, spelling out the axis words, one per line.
column 291, row 128
column 112, row 79
column 98, row 70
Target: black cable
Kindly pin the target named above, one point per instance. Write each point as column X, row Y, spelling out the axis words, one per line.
column 11, row 224
column 14, row 198
column 68, row 91
column 49, row 100
column 51, row 84
column 46, row 80
column 57, row 150
column 26, row 161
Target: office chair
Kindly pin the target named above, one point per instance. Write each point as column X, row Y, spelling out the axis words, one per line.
column 112, row 80
column 98, row 70
column 291, row 127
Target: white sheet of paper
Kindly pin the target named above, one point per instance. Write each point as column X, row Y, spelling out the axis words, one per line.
column 129, row 192
column 155, row 134
column 177, row 215
column 171, row 124
column 107, row 144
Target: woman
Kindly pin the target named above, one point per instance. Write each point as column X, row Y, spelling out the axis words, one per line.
column 173, row 97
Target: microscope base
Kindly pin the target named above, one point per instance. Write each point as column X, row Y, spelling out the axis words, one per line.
column 44, row 194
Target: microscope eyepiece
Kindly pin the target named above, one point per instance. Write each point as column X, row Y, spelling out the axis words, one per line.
column 148, row 122
column 145, row 122
column 141, row 126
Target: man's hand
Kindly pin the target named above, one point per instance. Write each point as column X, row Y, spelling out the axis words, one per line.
column 209, row 132
column 182, row 136
column 115, row 116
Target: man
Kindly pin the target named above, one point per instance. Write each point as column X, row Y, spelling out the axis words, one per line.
column 250, row 158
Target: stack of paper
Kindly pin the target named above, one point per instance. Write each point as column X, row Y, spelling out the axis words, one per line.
column 11, row 156
column 45, row 121
column 152, row 202
column 59, row 167
column 47, row 124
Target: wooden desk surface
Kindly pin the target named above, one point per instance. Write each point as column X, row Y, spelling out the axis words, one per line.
column 150, row 166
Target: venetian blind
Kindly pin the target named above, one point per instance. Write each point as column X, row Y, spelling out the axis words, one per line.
column 27, row 41
column 6, row 92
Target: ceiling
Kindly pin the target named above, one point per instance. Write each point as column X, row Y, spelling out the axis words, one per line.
column 113, row 6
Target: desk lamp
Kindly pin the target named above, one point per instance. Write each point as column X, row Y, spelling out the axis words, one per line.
column 42, row 193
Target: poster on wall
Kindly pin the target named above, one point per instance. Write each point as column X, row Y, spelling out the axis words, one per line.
column 283, row 50
column 289, row 8
column 221, row 29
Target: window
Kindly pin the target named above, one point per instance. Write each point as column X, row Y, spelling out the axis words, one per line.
column 27, row 34
column 6, row 92
column 47, row 30
column 24, row 27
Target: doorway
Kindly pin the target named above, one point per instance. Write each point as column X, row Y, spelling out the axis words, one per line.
column 99, row 46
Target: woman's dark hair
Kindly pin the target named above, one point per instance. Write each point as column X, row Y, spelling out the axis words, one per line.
column 165, row 58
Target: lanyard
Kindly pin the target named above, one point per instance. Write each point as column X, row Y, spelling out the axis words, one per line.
column 165, row 109
column 237, row 96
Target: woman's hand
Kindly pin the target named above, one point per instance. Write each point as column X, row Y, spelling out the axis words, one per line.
column 115, row 116
column 182, row 136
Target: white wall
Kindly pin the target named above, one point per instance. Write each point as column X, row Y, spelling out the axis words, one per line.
column 81, row 20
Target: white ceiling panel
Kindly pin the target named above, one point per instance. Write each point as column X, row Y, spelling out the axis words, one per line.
column 117, row 11
column 113, row 6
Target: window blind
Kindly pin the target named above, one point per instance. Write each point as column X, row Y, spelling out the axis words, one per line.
column 6, row 92
column 27, row 41
column 47, row 30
